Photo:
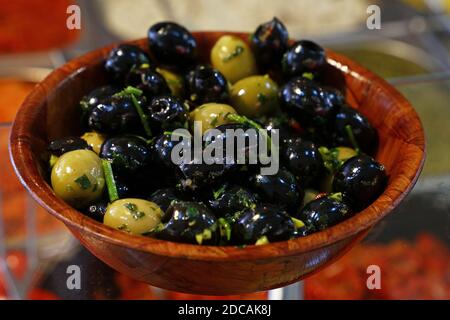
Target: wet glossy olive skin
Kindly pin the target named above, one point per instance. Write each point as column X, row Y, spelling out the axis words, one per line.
column 172, row 44
column 303, row 159
column 365, row 134
column 121, row 59
column 190, row 222
column 96, row 96
column 233, row 58
column 164, row 198
column 166, row 112
column 324, row 212
column 303, row 56
column 281, row 189
column 255, row 96
column 63, row 145
column 303, row 100
column 148, row 80
column 230, row 199
column 77, row 178
column 205, row 84
column 262, row 220
column 269, row 42
column 132, row 215
column 129, row 154
column 211, row 115
column 361, row 179
column 114, row 116
column 162, row 150
column 332, row 97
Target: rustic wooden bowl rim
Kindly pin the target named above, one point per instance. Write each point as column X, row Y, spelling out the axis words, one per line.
column 26, row 169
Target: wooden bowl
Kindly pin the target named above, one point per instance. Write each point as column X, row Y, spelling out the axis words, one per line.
column 51, row 110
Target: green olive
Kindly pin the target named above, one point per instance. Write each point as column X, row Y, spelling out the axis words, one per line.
column 77, row 177
column 212, row 115
column 233, row 58
column 174, row 81
column 94, row 140
column 135, row 216
column 345, row 153
column 255, row 96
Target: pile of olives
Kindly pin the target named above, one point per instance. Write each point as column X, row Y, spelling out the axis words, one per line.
column 119, row 171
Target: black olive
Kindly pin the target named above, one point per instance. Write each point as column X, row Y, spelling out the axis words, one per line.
column 124, row 187
column 333, row 97
column 205, row 84
column 114, row 116
column 128, row 153
column 303, row 56
column 167, row 112
column 63, row 145
column 303, row 159
column 164, row 198
column 96, row 96
column 229, row 199
column 269, row 42
column 361, row 179
column 190, row 222
column 324, row 212
column 261, row 221
column 172, row 44
column 97, row 210
column 195, row 176
column 148, row 80
column 121, row 59
column 303, row 100
column 365, row 134
column 281, row 189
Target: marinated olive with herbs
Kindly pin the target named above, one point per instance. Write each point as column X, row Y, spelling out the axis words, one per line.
column 148, row 80
column 361, row 179
column 303, row 56
column 233, row 58
column 77, row 178
column 128, row 154
column 255, row 96
column 190, row 222
column 303, row 159
column 141, row 165
column 261, row 225
column 123, row 58
column 114, row 116
column 212, row 115
column 205, row 84
column 166, row 113
column 281, row 189
column 172, row 44
column 135, row 216
column 324, row 212
column 269, row 42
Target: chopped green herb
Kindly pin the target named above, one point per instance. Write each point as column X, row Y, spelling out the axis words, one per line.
column 262, row 98
column 83, row 182
column 192, row 212
column 225, row 229
column 214, row 121
column 138, row 215
column 237, row 51
column 218, row 192
column 261, row 241
column 308, row 75
column 123, row 227
column 131, row 206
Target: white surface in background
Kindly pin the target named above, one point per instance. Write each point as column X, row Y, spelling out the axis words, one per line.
column 131, row 19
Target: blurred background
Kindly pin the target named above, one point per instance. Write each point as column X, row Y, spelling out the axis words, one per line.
column 411, row 51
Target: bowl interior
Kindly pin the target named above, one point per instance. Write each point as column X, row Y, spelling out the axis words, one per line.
column 50, row 110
